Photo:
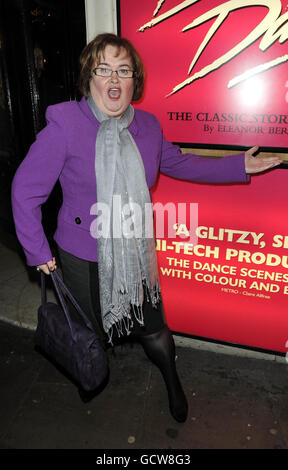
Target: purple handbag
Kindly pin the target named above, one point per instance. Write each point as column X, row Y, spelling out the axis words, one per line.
column 72, row 345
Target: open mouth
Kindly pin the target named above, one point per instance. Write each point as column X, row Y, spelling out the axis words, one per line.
column 114, row 93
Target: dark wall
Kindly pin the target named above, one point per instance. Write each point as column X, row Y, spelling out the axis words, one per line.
column 40, row 44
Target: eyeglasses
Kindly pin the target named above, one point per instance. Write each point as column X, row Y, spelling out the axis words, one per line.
column 122, row 73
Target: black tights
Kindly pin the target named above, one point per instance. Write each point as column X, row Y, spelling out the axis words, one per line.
column 160, row 349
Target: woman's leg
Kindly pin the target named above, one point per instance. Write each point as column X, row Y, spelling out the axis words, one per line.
column 160, row 349
column 81, row 278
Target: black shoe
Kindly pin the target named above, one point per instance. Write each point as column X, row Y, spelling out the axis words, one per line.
column 178, row 405
column 180, row 413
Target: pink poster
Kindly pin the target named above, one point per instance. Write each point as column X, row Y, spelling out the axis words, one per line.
column 216, row 71
column 217, row 75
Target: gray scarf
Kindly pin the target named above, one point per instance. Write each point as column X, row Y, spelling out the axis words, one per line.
column 127, row 261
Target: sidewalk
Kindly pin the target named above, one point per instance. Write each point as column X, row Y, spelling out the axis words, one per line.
column 237, row 401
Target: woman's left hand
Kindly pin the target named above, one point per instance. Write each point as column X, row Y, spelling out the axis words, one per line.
column 256, row 165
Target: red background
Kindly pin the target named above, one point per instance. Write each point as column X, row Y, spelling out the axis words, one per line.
column 167, row 53
column 199, row 308
column 203, row 309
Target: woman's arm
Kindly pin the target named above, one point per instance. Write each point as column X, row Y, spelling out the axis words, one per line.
column 202, row 169
column 230, row 169
column 33, row 183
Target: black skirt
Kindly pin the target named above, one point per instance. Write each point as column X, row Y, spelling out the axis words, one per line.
column 81, row 278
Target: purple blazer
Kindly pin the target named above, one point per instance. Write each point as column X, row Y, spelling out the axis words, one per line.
column 65, row 150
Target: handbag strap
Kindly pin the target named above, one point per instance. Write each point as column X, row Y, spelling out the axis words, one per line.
column 43, row 289
column 73, row 300
column 59, row 284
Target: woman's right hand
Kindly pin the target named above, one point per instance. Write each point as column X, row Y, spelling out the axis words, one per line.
column 47, row 267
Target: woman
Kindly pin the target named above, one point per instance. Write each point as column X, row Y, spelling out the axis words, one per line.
column 100, row 148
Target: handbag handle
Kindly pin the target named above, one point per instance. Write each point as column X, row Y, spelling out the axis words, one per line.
column 60, row 281
column 59, row 284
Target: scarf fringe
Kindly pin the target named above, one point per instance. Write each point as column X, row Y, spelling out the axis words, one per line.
column 152, row 293
column 123, row 326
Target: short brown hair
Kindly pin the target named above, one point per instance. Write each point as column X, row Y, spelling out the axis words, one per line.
column 91, row 55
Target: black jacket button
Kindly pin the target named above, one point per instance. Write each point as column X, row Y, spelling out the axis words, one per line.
column 78, row 220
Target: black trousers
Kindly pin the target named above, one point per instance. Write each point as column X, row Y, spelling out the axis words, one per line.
column 81, row 277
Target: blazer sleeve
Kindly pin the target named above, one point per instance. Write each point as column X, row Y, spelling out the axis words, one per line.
column 230, row 169
column 33, row 183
